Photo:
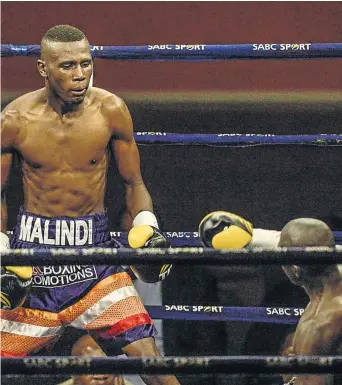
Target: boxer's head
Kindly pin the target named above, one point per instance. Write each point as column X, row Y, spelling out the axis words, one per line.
column 306, row 232
column 87, row 347
column 66, row 63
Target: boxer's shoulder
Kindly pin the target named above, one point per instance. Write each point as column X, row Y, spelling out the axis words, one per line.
column 25, row 102
column 335, row 313
column 114, row 109
column 18, row 115
column 105, row 99
column 22, row 108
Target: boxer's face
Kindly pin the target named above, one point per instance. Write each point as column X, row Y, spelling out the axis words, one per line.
column 96, row 379
column 67, row 67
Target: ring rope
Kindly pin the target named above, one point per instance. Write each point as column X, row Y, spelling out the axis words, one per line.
column 188, row 238
column 275, row 315
column 183, row 256
column 171, row 365
column 237, row 139
column 183, row 238
column 197, row 52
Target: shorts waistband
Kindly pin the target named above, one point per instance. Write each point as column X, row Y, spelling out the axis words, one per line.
column 61, row 231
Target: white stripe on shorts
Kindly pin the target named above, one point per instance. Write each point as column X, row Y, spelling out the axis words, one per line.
column 28, row 330
column 103, row 304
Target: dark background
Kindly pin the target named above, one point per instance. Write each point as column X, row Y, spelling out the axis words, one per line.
column 269, row 185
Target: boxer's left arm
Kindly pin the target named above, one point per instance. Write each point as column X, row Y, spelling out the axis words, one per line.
column 127, row 157
column 145, row 231
column 287, row 350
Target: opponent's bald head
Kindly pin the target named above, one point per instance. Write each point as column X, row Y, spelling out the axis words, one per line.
column 60, row 34
column 303, row 232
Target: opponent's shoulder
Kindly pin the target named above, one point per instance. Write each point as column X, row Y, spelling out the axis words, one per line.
column 336, row 312
column 330, row 325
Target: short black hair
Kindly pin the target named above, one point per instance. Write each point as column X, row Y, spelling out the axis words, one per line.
column 62, row 33
column 303, row 232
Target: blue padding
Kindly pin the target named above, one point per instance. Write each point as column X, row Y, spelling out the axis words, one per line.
column 236, row 139
column 199, row 52
column 278, row 315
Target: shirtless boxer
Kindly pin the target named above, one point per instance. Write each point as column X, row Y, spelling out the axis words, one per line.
column 63, row 134
column 319, row 330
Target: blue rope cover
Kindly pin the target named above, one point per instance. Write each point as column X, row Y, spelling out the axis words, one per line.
column 237, row 139
column 275, row 315
column 197, row 52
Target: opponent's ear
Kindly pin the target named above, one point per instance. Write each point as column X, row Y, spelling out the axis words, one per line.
column 296, row 271
column 41, row 66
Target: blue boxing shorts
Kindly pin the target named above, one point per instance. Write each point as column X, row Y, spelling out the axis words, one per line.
column 99, row 299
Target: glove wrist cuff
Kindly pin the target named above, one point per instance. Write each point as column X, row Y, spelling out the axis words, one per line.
column 265, row 238
column 146, row 218
column 4, row 241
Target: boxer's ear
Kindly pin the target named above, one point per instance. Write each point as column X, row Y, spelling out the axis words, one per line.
column 297, row 271
column 41, row 66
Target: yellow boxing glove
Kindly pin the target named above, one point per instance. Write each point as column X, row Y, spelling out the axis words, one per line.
column 15, row 283
column 224, row 230
column 145, row 234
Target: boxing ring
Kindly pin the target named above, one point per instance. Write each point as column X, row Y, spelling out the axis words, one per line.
column 187, row 249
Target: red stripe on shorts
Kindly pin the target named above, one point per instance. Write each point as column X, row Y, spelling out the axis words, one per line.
column 127, row 323
column 3, row 353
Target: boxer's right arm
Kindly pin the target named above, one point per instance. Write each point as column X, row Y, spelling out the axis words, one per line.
column 222, row 229
column 6, row 163
column 9, row 132
column 15, row 280
column 267, row 239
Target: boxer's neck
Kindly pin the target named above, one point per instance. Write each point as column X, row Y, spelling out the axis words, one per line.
column 324, row 286
column 63, row 108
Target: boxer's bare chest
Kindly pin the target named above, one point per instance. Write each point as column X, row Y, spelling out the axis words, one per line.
column 52, row 141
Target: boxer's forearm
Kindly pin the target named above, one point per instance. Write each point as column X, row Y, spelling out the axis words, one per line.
column 265, row 238
column 6, row 164
column 137, row 199
column 4, row 240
